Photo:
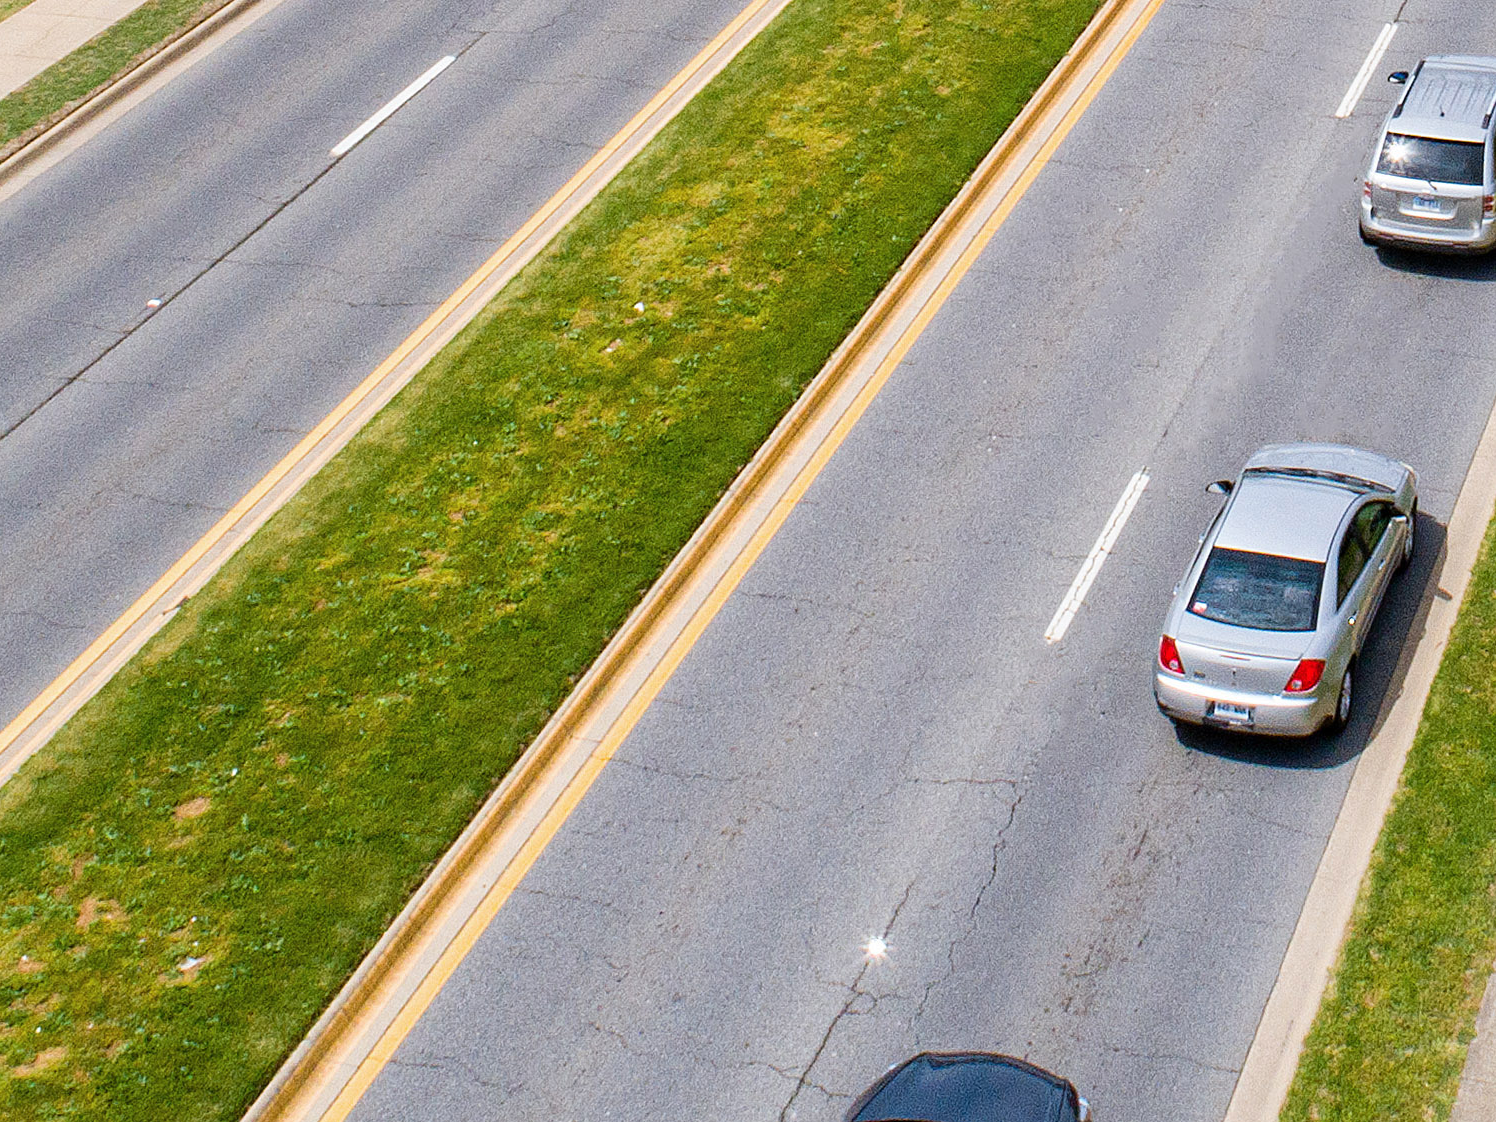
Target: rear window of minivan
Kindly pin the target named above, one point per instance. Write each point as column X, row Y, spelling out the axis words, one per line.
column 1443, row 161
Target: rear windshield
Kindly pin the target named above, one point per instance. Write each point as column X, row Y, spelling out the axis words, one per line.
column 1259, row 590
column 1443, row 161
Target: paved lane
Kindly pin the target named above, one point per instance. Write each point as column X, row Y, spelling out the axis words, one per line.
column 873, row 739
column 127, row 434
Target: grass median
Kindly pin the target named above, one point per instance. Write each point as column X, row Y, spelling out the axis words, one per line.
column 57, row 90
column 197, row 862
column 1390, row 1039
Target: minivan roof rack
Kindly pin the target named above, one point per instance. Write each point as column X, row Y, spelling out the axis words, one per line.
column 1407, row 89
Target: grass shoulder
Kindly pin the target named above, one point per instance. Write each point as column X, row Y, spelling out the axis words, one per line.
column 1390, row 1039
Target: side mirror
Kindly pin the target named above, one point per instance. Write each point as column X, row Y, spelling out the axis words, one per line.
column 1398, row 77
column 1219, row 487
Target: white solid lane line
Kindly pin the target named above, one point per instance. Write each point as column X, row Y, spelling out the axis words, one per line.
column 346, row 144
column 1358, row 87
column 1099, row 552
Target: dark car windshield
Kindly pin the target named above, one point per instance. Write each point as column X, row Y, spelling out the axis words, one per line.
column 1259, row 590
column 1442, row 161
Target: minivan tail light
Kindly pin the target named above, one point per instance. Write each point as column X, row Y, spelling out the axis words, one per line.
column 1488, row 206
column 1306, row 675
column 1168, row 656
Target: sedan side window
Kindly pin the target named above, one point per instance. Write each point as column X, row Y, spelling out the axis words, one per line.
column 1371, row 523
column 1353, row 556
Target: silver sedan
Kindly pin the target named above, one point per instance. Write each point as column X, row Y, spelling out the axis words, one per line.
column 1266, row 625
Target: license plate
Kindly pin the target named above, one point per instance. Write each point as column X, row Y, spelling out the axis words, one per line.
column 1429, row 204
column 1225, row 711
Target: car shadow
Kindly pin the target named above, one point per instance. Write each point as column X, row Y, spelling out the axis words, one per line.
column 1447, row 266
column 1383, row 666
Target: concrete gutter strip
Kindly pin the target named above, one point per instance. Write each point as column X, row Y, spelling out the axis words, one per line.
column 1273, row 1057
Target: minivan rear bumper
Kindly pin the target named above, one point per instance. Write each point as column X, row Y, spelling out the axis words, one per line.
column 1271, row 714
column 1376, row 228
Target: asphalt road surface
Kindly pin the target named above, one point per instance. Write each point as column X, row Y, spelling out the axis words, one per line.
column 873, row 738
column 286, row 280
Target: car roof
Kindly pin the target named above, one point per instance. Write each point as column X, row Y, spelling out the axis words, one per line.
column 1286, row 516
column 1450, row 99
column 967, row 1087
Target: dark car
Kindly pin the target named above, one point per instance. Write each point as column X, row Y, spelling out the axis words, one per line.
column 969, row 1087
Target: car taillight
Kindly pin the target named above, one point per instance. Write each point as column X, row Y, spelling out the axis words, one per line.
column 1366, row 189
column 1488, row 206
column 1306, row 675
column 1168, row 656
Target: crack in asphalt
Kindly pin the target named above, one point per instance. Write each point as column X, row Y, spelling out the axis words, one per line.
column 1173, row 1057
column 33, row 614
column 180, row 504
column 999, row 843
column 856, row 992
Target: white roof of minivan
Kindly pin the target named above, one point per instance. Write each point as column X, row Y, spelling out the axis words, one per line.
column 1450, row 99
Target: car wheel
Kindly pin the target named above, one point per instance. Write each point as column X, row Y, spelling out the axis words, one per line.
column 1407, row 553
column 1366, row 238
column 1342, row 715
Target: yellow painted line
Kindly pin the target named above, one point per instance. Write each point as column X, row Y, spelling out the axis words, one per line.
column 151, row 599
column 479, row 920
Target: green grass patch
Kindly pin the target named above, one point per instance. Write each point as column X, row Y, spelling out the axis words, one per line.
column 1390, row 1039
column 49, row 96
column 198, row 861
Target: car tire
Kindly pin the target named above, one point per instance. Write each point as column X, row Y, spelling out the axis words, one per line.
column 1407, row 553
column 1366, row 239
column 1343, row 700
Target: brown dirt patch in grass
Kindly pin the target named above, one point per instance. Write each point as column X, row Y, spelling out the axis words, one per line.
column 93, row 909
column 49, row 1057
column 192, row 808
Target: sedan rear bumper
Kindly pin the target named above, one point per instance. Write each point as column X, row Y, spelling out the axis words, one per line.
column 1270, row 714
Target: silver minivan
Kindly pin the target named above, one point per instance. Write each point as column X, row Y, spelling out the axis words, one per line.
column 1432, row 183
